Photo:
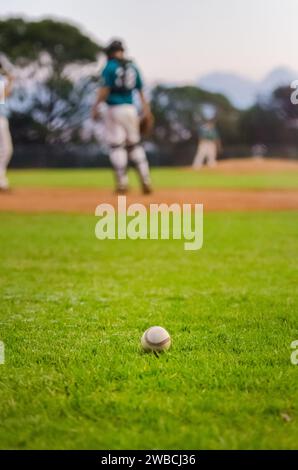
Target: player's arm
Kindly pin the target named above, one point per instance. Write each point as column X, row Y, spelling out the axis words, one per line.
column 106, row 82
column 101, row 97
column 145, row 104
column 147, row 119
column 146, row 109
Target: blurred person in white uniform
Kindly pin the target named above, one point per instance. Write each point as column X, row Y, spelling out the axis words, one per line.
column 209, row 145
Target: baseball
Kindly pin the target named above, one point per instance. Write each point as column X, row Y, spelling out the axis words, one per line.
column 156, row 338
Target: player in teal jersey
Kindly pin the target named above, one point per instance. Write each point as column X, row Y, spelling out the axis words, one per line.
column 209, row 145
column 120, row 78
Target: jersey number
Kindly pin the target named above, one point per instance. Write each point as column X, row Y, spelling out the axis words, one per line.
column 126, row 78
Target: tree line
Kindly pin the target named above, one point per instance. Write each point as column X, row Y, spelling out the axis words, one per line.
column 56, row 69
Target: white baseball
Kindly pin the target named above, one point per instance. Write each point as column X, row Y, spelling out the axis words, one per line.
column 156, row 338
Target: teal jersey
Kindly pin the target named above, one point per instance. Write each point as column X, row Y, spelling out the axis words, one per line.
column 208, row 133
column 122, row 77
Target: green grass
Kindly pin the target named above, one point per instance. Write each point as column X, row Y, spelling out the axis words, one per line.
column 73, row 309
column 162, row 177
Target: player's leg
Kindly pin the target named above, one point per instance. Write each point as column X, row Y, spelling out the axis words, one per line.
column 116, row 137
column 137, row 155
column 136, row 152
column 118, row 158
column 200, row 156
column 5, row 152
column 212, row 153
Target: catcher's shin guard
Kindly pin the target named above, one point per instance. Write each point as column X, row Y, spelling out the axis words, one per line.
column 118, row 157
column 138, row 157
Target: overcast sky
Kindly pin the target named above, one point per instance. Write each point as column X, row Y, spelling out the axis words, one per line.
column 179, row 40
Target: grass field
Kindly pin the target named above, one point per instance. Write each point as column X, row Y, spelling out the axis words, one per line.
column 73, row 310
column 162, row 177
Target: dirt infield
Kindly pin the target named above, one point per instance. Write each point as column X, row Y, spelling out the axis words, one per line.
column 255, row 165
column 83, row 200
column 86, row 200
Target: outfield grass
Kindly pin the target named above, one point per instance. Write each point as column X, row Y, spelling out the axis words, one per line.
column 73, row 310
column 162, row 178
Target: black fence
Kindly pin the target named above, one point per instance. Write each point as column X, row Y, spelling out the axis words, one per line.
column 91, row 155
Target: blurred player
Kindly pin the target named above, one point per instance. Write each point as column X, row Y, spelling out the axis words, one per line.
column 209, row 145
column 119, row 79
column 5, row 137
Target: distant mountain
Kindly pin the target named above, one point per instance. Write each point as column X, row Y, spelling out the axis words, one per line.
column 280, row 76
column 239, row 90
column 243, row 92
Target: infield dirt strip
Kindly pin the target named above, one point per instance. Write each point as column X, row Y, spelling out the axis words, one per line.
column 76, row 200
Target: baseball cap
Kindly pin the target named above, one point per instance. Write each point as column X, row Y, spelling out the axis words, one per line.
column 114, row 46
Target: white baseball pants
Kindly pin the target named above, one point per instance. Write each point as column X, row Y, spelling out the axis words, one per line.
column 207, row 149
